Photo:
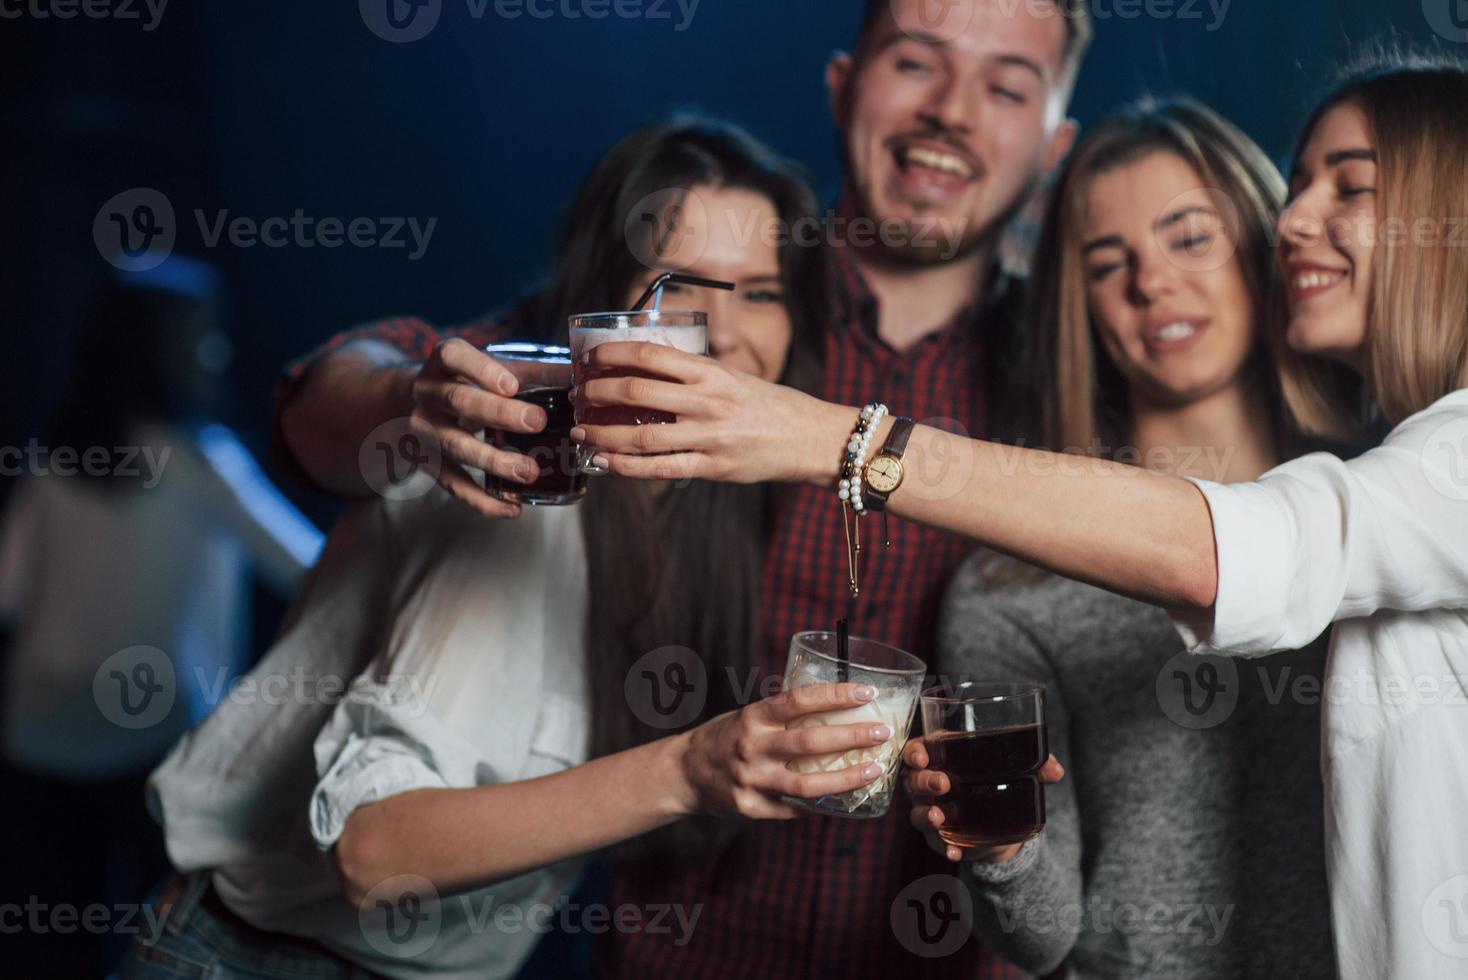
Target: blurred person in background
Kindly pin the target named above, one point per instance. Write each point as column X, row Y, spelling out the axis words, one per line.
column 126, row 555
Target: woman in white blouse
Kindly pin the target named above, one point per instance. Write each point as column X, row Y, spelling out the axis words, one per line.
column 1372, row 247
column 419, row 737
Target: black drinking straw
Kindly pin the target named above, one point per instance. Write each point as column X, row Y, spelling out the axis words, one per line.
column 668, row 277
column 843, row 657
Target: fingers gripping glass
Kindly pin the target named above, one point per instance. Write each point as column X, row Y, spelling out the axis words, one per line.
column 544, row 374
column 684, row 330
column 990, row 740
column 897, row 677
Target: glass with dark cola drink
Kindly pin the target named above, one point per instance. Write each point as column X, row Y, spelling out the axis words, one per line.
column 990, row 740
column 545, row 377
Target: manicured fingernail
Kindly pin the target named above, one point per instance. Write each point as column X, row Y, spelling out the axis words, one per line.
column 601, row 462
column 533, row 418
column 506, row 384
column 880, row 733
column 871, row 770
column 864, row 692
column 578, row 434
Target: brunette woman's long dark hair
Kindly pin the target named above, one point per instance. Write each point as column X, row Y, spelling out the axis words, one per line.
column 681, row 569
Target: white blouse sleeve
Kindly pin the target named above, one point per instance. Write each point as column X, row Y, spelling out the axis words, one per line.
column 383, row 740
column 1318, row 540
column 486, row 617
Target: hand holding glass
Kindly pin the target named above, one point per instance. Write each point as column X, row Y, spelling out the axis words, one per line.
column 990, row 741
column 897, row 677
column 684, row 330
column 544, row 374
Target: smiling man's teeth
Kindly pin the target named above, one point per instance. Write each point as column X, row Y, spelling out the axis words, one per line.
column 1175, row 331
column 938, row 160
column 1315, row 280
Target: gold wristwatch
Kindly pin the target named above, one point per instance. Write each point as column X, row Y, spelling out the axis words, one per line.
column 883, row 474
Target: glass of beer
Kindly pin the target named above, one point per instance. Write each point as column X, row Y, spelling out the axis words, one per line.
column 545, row 380
column 897, row 677
column 685, row 330
column 990, row 739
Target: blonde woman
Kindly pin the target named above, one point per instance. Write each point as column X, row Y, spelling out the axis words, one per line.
column 1377, row 545
column 1154, row 286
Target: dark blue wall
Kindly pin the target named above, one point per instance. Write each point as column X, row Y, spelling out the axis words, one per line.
column 486, row 124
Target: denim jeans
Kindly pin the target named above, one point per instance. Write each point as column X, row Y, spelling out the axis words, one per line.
column 196, row 942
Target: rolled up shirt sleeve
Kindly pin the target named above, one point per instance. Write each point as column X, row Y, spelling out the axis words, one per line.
column 378, row 744
column 1318, row 539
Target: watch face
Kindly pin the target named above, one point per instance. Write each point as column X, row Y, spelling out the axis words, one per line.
column 884, row 474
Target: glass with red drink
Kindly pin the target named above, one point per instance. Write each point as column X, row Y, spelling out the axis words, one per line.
column 684, row 330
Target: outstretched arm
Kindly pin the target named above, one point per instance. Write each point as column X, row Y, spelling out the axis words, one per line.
column 1119, row 527
column 391, row 808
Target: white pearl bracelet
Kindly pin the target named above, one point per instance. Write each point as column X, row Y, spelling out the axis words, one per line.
column 857, row 450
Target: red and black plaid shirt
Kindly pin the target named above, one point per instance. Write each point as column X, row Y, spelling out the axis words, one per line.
column 813, row 897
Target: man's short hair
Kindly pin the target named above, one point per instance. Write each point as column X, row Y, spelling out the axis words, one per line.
column 1078, row 33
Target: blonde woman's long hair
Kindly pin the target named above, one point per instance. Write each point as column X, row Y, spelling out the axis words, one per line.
column 1085, row 403
column 1417, row 333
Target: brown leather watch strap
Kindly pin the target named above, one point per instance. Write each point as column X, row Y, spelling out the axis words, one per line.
column 895, row 446
column 897, row 439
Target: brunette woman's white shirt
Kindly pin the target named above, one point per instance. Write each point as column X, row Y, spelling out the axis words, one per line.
column 1377, row 546
column 431, row 647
